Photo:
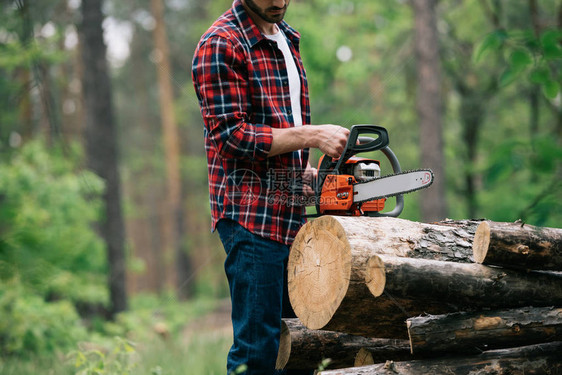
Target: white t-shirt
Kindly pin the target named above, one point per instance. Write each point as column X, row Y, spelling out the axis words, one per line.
column 293, row 73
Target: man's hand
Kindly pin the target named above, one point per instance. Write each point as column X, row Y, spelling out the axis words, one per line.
column 308, row 178
column 330, row 139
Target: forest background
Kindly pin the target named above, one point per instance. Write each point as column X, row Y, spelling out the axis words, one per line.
column 106, row 255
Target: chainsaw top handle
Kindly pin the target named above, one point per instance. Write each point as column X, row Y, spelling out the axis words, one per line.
column 356, row 144
column 353, row 147
column 365, row 144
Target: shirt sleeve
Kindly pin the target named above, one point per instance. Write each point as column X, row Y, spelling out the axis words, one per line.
column 220, row 78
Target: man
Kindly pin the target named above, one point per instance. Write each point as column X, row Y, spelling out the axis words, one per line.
column 252, row 90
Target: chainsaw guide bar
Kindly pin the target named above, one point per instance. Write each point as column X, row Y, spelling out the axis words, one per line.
column 392, row 185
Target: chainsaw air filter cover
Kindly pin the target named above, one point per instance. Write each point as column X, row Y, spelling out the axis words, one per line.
column 366, row 171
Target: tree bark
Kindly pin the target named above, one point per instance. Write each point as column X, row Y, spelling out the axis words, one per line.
column 330, row 267
column 429, row 107
column 101, row 145
column 534, row 359
column 174, row 217
column 335, row 275
column 474, row 332
column 518, row 245
column 302, row 348
column 416, row 286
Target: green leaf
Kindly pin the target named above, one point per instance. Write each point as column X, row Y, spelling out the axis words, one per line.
column 492, row 41
column 552, row 52
column 509, row 76
column 551, row 38
column 551, row 89
column 550, row 42
column 539, row 76
column 520, row 59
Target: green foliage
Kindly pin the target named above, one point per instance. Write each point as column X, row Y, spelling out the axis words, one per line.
column 527, row 170
column 24, row 61
column 122, row 359
column 46, row 235
column 29, row 325
column 538, row 57
column 324, row 364
column 491, row 42
column 151, row 311
column 48, row 249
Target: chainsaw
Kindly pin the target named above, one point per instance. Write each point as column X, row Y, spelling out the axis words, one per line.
column 353, row 186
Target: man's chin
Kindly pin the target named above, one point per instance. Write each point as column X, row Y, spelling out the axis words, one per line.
column 275, row 18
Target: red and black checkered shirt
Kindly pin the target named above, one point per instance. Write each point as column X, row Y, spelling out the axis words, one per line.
column 242, row 85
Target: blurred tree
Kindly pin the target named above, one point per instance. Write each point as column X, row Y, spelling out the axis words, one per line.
column 101, row 145
column 173, row 214
column 475, row 86
column 429, row 107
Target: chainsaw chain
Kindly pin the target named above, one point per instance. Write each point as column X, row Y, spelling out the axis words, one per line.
column 401, row 193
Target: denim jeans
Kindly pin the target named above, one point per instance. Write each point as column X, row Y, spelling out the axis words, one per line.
column 255, row 268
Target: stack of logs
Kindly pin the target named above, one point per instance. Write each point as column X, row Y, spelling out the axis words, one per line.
column 395, row 296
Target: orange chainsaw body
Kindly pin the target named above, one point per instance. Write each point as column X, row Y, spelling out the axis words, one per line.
column 336, row 197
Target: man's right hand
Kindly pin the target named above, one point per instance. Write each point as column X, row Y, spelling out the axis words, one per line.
column 331, row 139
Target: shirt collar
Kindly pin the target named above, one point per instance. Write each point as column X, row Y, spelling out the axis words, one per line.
column 251, row 32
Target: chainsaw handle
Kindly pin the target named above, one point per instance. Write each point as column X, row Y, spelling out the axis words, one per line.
column 365, row 144
column 399, row 206
column 356, row 144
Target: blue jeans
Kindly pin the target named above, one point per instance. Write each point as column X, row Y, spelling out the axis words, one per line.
column 255, row 268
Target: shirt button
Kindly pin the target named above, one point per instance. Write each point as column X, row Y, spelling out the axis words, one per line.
column 289, row 112
column 285, row 83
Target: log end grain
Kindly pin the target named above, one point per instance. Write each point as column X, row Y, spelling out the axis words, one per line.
column 375, row 276
column 408, row 325
column 319, row 271
column 363, row 358
column 284, row 347
column 481, row 242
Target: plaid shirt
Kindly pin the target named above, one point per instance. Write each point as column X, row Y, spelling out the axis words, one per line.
column 242, row 85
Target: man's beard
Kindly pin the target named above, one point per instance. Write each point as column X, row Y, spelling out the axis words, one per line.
column 262, row 13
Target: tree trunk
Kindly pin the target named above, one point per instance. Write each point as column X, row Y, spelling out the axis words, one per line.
column 417, row 286
column 334, row 273
column 447, row 240
column 101, row 144
column 329, row 265
column 429, row 107
column 469, row 285
column 535, row 359
column 174, row 218
column 472, row 117
column 302, row 348
column 518, row 245
column 324, row 272
column 471, row 333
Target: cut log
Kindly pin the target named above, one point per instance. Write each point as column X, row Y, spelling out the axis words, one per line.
column 469, row 286
column 534, row 359
column 478, row 331
column 302, row 348
column 449, row 240
column 329, row 261
column 518, row 245
column 416, row 286
column 323, row 272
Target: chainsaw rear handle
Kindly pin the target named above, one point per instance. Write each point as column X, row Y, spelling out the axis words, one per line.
column 399, row 206
column 357, row 144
